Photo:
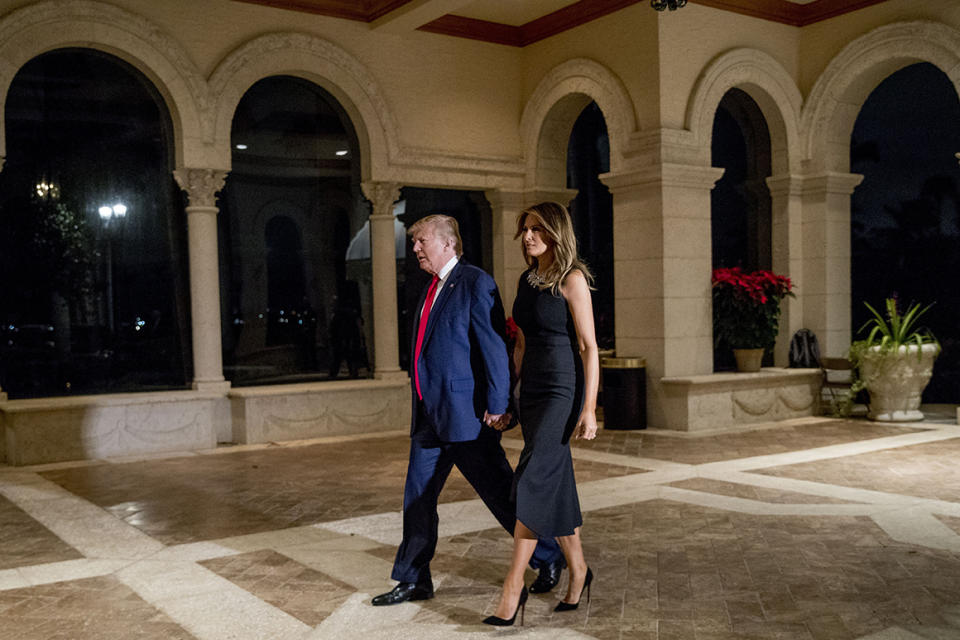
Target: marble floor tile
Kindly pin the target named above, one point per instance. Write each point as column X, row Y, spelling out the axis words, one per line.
column 24, row 541
column 99, row 608
column 809, row 530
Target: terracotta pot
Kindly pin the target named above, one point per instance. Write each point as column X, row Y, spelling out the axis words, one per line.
column 896, row 379
column 748, row 360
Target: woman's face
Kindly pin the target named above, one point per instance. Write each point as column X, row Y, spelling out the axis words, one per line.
column 535, row 240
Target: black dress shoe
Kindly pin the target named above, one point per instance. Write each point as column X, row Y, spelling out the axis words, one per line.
column 563, row 606
column 549, row 576
column 403, row 592
column 508, row 622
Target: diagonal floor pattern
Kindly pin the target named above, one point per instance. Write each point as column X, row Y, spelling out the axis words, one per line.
column 809, row 529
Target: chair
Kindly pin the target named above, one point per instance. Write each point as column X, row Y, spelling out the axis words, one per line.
column 837, row 374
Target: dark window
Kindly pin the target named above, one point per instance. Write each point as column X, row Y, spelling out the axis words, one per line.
column 92, row 254
column 588, row 155
column 905, row 215
column 740, row 206
column 740, row 201
column 294, row 240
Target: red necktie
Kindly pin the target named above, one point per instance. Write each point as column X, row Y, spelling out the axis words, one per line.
column 424, row 316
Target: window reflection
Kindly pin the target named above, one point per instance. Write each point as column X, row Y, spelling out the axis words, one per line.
column 92, row 254
column 295, row 306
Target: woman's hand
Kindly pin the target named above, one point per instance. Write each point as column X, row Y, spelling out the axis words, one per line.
column 586, row 426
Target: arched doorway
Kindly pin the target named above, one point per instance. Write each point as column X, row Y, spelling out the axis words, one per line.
column 588, row 156
column 905, row 215
column 92, row 254
column 288, row 211
column 740, row 205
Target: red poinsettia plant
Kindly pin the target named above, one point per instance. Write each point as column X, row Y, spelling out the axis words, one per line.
column 746, row 307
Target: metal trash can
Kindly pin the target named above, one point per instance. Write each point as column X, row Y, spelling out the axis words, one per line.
column 624, row 393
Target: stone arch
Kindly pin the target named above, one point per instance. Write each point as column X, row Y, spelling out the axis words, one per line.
column 320, row 62
column 553, row 108
column 768, row 84
column 56, row 24
column 835, row 101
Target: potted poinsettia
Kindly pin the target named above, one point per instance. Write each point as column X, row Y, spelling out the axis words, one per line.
column 746, row 312
column 894, row 362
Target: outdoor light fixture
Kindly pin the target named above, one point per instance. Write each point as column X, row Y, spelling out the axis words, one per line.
column 48, row 190
column 241, row 147
column 342, row 152
column 116, row 211
column 673, row 5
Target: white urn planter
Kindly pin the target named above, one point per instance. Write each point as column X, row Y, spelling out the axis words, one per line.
column 896, row 379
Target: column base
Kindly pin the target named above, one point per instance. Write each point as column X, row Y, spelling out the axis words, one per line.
column 211, row 386
column 391, row 375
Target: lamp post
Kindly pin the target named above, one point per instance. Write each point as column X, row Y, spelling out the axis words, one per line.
column 107, row 214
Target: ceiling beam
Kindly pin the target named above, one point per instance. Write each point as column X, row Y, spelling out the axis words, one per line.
column 413, row 15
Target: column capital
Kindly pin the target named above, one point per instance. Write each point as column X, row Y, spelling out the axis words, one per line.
column 831, row 182
column 505, row 198
column 785, row 184
column 382, row 195
column 666, row 174
column 201, row 185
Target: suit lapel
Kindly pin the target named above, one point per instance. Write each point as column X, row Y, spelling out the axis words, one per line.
column 445, row 293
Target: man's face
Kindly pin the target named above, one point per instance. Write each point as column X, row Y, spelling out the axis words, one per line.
column 432, row 251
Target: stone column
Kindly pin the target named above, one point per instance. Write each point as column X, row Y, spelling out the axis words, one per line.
column 787, row 253
column 662, row 267
column 826, row 258
column 383, row 268
column 202, row 186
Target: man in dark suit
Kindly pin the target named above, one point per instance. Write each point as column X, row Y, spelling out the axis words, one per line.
column 460, row 387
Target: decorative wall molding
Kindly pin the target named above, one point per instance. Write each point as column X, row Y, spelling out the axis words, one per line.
column 550, row 110
column 322, row 62
column 834, row 102
column 38, row 28
column 765, row 80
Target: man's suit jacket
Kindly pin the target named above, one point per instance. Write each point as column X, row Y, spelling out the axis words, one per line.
column 463, row 366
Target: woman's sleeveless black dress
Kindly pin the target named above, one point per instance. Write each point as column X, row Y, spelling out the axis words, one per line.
column 551, row 397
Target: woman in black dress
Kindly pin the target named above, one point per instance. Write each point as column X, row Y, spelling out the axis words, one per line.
column 558, row 367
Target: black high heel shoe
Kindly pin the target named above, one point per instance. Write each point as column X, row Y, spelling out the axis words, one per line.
column 521, row 607
column 564, row 606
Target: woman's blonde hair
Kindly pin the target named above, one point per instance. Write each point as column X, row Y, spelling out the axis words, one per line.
column 558, row 225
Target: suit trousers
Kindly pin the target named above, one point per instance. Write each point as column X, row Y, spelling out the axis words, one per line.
column 484, row 464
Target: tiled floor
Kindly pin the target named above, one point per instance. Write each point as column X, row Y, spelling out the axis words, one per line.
column 813, row 529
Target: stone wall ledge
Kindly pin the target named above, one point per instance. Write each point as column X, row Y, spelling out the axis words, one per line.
column 307, row 410
column 720, row 400
column 737, row 380
column 364, row 384
column 57, row 403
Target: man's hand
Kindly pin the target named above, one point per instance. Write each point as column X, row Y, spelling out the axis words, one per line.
column 492, row 419
column 504, row 422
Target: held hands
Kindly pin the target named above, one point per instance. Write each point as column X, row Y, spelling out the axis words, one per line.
column 498, row 421
column 586, row 426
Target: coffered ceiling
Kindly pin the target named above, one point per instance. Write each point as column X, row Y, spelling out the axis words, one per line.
column 522, row 22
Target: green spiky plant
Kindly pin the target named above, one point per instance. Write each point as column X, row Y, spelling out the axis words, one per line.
column 887, row 333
